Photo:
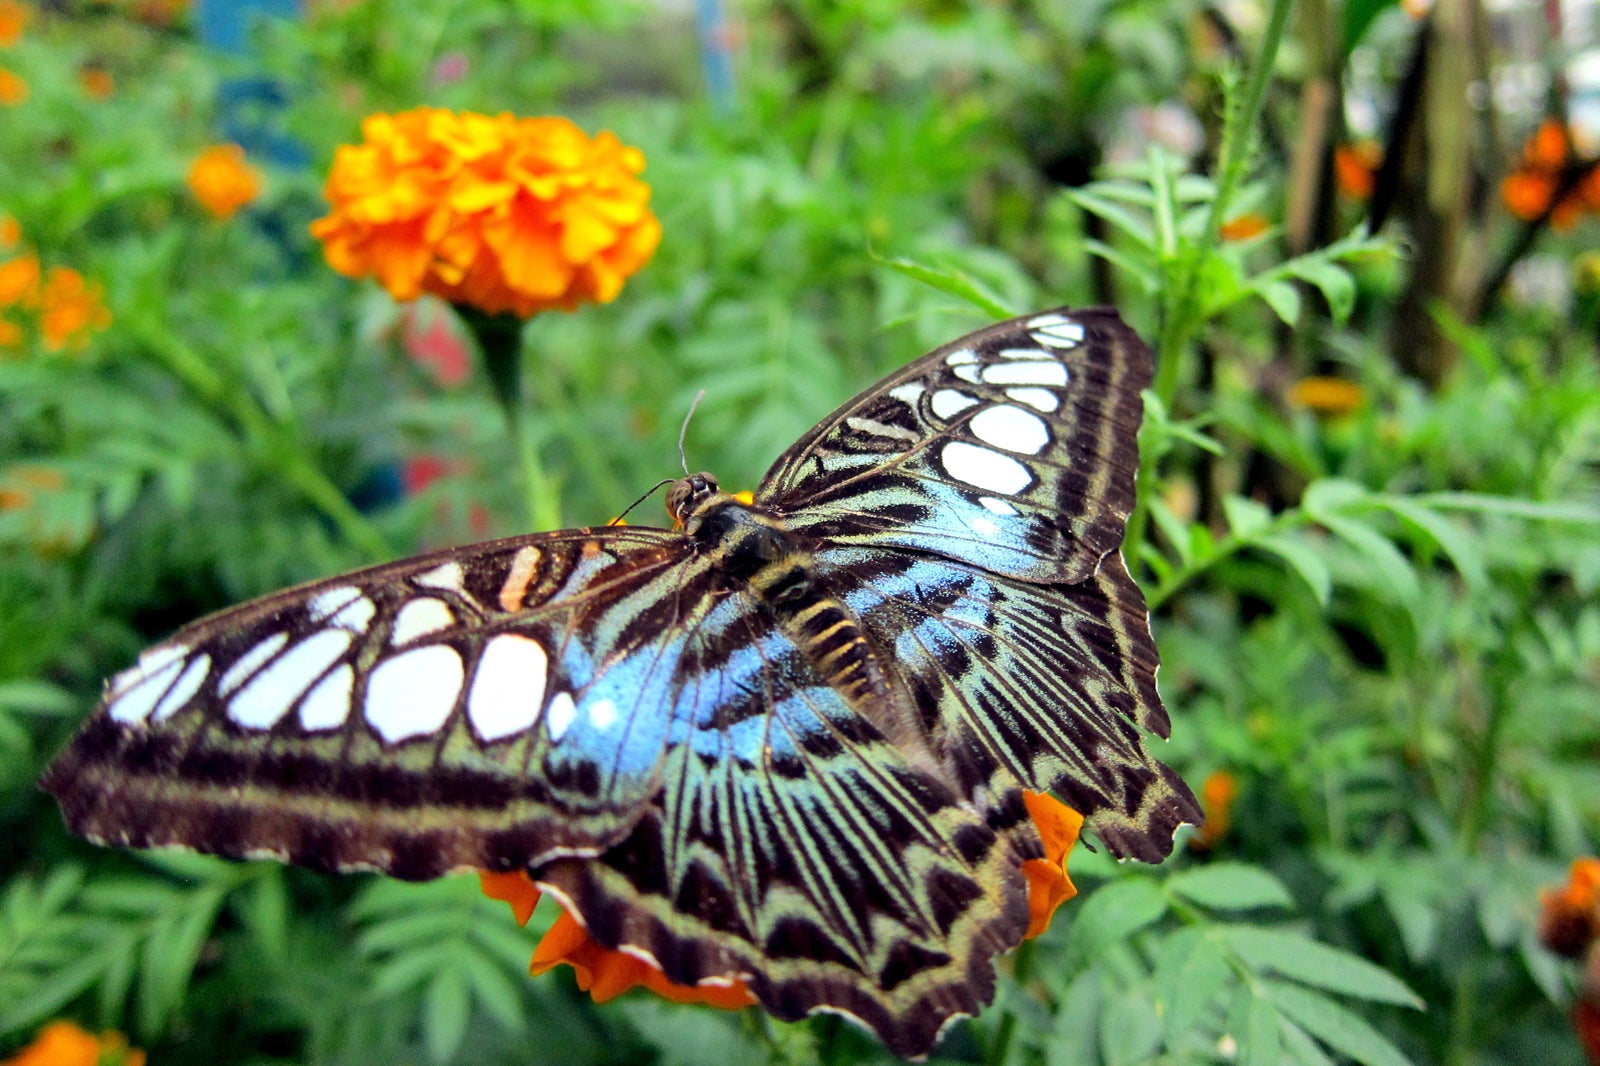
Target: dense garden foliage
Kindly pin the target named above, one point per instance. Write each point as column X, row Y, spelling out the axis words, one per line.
column 1369, row 519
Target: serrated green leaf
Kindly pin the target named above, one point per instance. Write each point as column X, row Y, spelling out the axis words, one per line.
column 1334, row 1025
column 1303, row 560
column 1314, row 963
column 1230, row 886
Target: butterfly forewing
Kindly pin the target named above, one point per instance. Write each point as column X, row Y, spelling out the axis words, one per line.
column 434, row 714
column 1013, row 448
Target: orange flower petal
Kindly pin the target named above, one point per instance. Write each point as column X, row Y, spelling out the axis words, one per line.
column 13, row 90
column 606, row 974
column 61, row 1043
column 1327, row 396
column 500, row 213
column 14, row 17
column 514, row 887
column 1244, row 227
column 222, row 181
column 1048, row 883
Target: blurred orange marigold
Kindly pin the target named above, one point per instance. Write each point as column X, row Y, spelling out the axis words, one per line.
column 13, row 90
column 222, row 181
column 62, row 1043
column 1543, row 174
column 1327, row 396
column 14, row 18
column 70, row 309
column 96, row 81
column 498, row 213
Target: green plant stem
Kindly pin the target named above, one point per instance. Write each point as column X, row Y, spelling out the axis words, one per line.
column 265, row 435
column 499, row 340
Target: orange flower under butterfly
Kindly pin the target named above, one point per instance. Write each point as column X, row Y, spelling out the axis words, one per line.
column 14, row 18
column 1550, row 170
column 222, row 181
column 70, row 308
column 498, row 213
column 606, row 973
column 1569, row 916
column 1217, row 794
column 61, row 1043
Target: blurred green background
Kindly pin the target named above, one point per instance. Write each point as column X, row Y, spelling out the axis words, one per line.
column 1359, row 236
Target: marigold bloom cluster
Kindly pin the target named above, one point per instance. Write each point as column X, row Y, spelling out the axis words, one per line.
column 62, row 1043
column 222, row 181
column 1551, row 171
column 13, row 90
column 59, row 303
column 606, row 973
column 497, row 213
column 1217, row 795
column 1355, row 168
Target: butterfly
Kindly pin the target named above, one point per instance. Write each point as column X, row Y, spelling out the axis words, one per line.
column 784, row 742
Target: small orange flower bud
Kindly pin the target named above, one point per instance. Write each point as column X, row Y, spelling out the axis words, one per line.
column 222, row 181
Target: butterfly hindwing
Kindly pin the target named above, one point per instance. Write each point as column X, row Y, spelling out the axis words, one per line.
column 1013, row 449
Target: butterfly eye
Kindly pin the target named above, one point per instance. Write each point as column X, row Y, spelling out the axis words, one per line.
column 687, row 493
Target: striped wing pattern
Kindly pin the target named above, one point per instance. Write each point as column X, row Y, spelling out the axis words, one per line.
column 657, row 726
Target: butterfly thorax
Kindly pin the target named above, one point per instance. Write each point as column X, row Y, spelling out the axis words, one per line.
column 754, row 548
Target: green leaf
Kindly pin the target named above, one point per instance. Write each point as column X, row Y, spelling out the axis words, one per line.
column 1137, row 227
column 1128, row 1033
column 1075, row 1035
column 445, row 1012
column 1190, row 972
column 1393, row 569
column 1303, row 560
column 1335, row 1026
column 1230, row 886
column 1298, row 1047
column 1460, row 546
column 1538, row 510
column 951, row 282
column 1254, row 1023
column 1334, row 281
column 1283, row 298
column 1115, row 911
column 1313, row 963
column 1245, row 516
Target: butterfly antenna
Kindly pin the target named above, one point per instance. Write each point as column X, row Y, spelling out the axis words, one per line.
column 617, row 521
column 684, row 432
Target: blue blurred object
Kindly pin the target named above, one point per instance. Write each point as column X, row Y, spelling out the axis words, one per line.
column 249, row 108
column 225, row 24
column 716, row 52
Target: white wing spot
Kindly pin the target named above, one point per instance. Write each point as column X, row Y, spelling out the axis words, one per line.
column 560, row 715
column 139, row 688
column 1044, row 321
column 984, row 527
column 968, row 373
column 603, row 713
column 997, row 506
column 412, row 694
column 947, row 403
column 961, row 358
column 1060, row 335
column 984, row 468
column 250, row 662
column 194, row 676
column 355, row 616
column 508, row 688
column 1038, row 399
column 420, row 617
column 1024, row 353
column 908, row 394
column 328, row 704
column 272, row 692
column 329, row 602
column 1010, row 428
column 1026, row 374
column 448, row 576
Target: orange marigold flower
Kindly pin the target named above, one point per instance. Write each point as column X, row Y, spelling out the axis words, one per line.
column 10, row 232
column 1569, row 917
column 497, row 213
column 1327, row 396
column 96, row 81
column 14, row 18
column 1217, row 794
column 19, row 281
column 222, row 181
column 13, row 90
column 10, row 335
column 1244, row 227
column 62, row 1043
column 603, row 972
column 1355, row 168
column 1048, row 884
column 1545, row 170
column 70, row 309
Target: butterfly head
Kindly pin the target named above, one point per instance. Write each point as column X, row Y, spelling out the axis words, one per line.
column 687, row 494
